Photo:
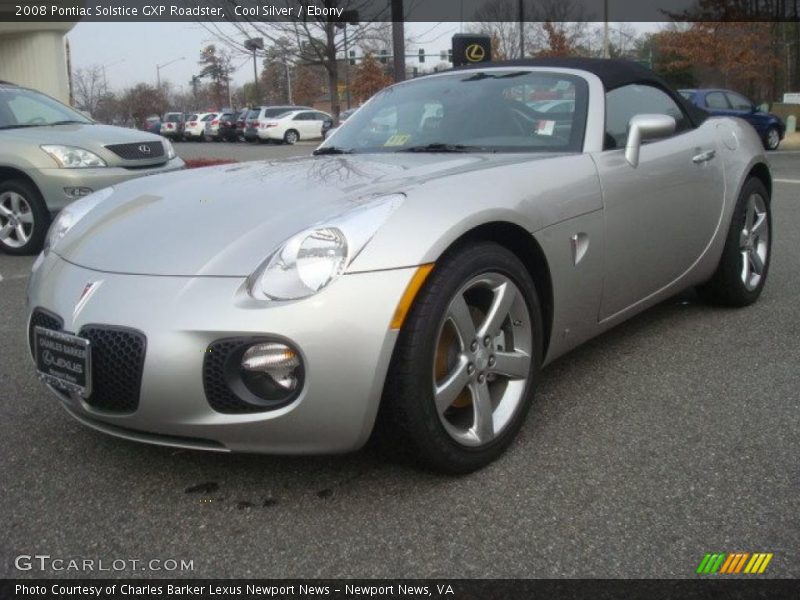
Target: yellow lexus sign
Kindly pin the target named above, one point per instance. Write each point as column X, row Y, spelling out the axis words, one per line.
column 471, row 48
column 475, row 53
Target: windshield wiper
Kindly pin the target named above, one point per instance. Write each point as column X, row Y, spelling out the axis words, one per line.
column 331, row 150
column 67, row 122
column 20, row 126
column 442, row 147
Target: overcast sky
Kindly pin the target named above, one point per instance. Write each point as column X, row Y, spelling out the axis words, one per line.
column 131, row 51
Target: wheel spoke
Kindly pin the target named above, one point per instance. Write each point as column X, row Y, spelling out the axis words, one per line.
column 15, row 208
column 26, row 218
column 21, row 235
column 750, row 213
column 462, row 320
column 483, row 425
column 5, row 231
column 504, row 296
column 5, row 212
column 746, row 267
column 514, row 365
column 756, row 262
column 760, row 226
column 446, row 393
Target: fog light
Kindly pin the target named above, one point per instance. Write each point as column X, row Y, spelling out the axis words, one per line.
column 271, row 370
column 77, row 192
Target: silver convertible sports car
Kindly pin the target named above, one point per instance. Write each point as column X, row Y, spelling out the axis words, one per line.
column 410, row 279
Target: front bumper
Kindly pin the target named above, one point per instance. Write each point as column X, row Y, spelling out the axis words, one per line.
column 51, row 182
column 342, row 334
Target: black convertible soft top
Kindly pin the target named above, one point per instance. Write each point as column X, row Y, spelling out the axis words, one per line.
column 614, row 73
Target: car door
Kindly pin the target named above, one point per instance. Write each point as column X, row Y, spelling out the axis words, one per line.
column 305, row 125
column 661, row 215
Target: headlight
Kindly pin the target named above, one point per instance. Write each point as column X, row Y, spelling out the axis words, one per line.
column 169, row 148
column 70, row 157
column 311, row 260
column 73, row 213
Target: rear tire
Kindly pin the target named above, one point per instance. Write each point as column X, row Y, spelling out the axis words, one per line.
column 24, row 217
column 446, row 367
column 291, row 137
column 744, row 265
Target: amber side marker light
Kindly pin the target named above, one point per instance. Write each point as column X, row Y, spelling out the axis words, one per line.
column 407, row 299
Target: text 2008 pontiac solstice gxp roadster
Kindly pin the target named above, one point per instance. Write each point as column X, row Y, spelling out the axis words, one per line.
column 439, row 248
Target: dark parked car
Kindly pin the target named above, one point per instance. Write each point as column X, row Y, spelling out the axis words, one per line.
column 153, row 125
column 172, row 126
column 227, row 128
column 770, row 128
column 240, row 123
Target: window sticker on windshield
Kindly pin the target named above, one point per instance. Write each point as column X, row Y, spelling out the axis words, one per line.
column 545, row 127
column 397, row 140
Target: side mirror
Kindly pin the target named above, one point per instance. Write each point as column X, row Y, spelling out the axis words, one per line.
column 646, row 128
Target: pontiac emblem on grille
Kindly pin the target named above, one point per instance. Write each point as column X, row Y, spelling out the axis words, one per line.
column 88, row 291
column 144, row 149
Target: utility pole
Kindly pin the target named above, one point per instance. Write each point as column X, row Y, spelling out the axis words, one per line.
column 159, row 67
column 606, row 49
column 348, row 17
column 398, row 40
column 254, row 45
column 522, row 28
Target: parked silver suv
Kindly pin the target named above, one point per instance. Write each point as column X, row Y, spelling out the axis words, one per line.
column 51, row 155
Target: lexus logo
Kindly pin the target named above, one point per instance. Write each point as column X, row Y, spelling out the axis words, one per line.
column 145, row 149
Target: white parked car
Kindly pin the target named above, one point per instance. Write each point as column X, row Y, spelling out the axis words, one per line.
column 293, row 126
column 196, row 126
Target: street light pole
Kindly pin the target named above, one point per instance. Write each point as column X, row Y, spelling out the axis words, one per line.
column 606, row 49
column 159, row 67
column 398, row 41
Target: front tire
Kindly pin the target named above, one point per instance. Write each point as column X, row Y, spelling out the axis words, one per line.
column 772, row 139
column 24, row 218
column 743, row 268
column 466, row 363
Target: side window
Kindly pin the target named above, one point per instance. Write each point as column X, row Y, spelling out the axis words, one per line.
column 716, row 100
column 739, row 102
column 301, row 117
column 628, row 101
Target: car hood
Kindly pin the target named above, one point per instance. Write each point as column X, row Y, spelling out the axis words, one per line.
column 224, row 221
column 87, row 136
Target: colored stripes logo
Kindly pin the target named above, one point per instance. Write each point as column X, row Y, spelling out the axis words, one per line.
column 733, row 563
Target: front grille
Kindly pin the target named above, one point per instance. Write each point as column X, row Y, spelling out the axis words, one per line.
column 138, row 151
column 117, row 364
column 117, row 361
column 46, row 320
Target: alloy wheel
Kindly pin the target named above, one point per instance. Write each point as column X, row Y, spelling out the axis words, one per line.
column 483, row 359
column 754, row 241
column 16, row 220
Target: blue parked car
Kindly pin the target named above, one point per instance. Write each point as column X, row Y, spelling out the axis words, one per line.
column 770, row 127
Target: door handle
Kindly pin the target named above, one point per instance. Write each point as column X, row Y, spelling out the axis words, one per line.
column 704, row 156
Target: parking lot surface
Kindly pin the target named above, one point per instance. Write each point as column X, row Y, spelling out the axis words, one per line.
column 673, row 435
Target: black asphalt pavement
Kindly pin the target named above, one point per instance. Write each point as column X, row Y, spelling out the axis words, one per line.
column 673, row 435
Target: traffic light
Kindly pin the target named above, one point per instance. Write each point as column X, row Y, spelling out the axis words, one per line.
column 352, row 58
column 384, row 57
column 421, row 55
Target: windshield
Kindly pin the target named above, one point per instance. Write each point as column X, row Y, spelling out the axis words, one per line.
column 174, row 117
column 21, row 107
column 481, row 111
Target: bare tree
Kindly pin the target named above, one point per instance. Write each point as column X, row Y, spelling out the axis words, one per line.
column 89, row 87
column 315, row 40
